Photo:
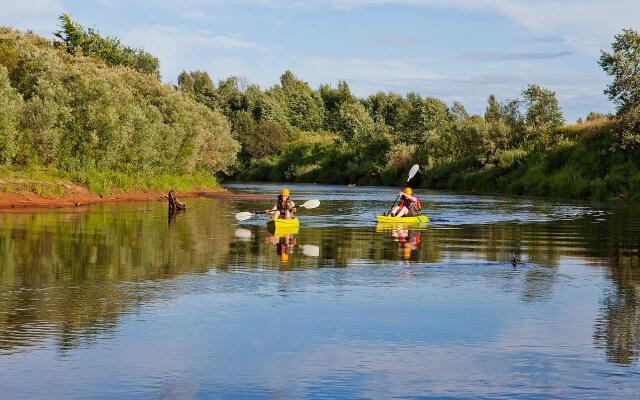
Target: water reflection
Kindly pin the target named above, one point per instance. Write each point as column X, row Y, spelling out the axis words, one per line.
column 617, row 328
column 408, row 237
column 284, row 244
column 69, row 280
column 60, row 272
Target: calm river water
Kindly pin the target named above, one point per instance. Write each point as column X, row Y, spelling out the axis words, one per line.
column 121, row 302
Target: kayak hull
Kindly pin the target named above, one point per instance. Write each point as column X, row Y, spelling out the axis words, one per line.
column 420, row 219
column 280, row 232
column 283, row 224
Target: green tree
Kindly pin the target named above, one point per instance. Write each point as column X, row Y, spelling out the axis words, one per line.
column 269, row 106
column 593, row 116
column 229, row 96
column 79, row 116
column 388, row 108
column 458, row 112
column 89, row 42
column 471, row 140
column 304, row 106
column 268, row 139
column 623, row 64
column 493, row 111
column 427, row 119
column 355, row 122
column 10, row 111
column 199, row 85
column 332, row 100
column 543, row 111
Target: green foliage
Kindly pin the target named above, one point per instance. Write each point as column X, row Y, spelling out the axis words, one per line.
column 508, row 159
column 305, row 106
column 267, row 139
column 494, row 111
column 199, row 85
column 11, row 105
column 628, row 134
column 104, row 182
column 389, row 109
column 623, row 64
column 333, row 99
column 77, row 115
column 9, row 57
column 543, row 111
column 594, row 116
column 427, row 119
column 51, row 182
column 100, row 123
column 76, row 39
column 458, row 112
column 355, row 123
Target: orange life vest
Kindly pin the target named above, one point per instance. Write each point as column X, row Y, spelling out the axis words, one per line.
column 407, row 203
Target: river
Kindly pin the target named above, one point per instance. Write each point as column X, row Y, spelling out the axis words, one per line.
column 121, row 301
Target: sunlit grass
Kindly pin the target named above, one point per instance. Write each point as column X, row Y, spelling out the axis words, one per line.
column 49, row 182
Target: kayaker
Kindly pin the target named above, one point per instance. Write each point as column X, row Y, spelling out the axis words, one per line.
column 285, row 208
column 409, row 205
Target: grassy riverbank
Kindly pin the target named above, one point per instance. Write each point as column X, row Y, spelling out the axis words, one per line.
column 52, row 183
column 585, row 164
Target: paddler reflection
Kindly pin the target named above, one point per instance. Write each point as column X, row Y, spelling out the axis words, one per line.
column 284, row 246
column 409, row 241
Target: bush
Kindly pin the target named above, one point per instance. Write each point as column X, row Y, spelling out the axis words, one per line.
column 267, row 139
column 10, row 112
column 508, row 159
column 76, row 114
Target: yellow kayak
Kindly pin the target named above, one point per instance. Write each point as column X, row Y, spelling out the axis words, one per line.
column 420, row 219
column 281, row 224
column 280, row 232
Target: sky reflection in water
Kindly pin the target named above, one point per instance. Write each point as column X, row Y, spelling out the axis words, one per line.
column 116, row 302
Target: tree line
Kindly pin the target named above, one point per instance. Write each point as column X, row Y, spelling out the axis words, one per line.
column 356, row 139
column 88, row 101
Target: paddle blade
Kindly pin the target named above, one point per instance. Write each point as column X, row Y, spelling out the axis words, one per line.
column 310, row 250
column 243, row 216
column 311, row 204
column 243, row 234
column 413, row 171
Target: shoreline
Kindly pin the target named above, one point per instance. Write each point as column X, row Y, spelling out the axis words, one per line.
column 25, row 200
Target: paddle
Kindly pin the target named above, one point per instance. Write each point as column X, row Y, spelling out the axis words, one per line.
column 310, row 250
column 245, row 215
column 243, row 234
column 412, row 172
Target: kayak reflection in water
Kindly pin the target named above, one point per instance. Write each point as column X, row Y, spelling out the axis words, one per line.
column 284, row 246
column 409, row 241
column 284, row 208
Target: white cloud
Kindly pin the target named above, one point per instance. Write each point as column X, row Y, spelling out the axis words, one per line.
column 176, row 46
column 325, row 69
column 587, row 24
column 179, row 37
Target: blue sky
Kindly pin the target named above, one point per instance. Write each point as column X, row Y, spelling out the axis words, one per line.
column 455, row 50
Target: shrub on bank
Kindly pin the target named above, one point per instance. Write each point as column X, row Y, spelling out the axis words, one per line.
column 101, row 123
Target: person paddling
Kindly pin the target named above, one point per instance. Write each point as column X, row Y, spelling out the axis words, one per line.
column 285, row 208
column 409, row 205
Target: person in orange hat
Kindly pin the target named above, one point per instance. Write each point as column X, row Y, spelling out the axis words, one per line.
column 409, row 205
column 285, row 208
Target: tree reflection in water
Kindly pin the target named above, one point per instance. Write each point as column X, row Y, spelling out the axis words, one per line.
column 72, row 275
